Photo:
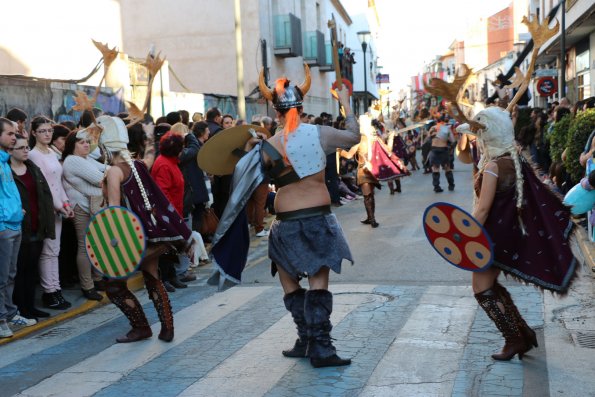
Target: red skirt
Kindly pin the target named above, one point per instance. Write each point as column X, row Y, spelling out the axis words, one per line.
column 385, row 168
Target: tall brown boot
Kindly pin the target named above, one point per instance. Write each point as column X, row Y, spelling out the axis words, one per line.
column 370, row 205
column 492, row 304
column 117, row 291
column 528, row 334
column 294, row 303
column 158, row 295
column 391, row 186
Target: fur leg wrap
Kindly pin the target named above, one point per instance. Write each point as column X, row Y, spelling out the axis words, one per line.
column 318, row 306
column 294, row 303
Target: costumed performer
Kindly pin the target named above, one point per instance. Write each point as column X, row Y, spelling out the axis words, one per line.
column 129, row 184
column 375, row 162
column 440, row 154
column 529, row 227
column 305, row 240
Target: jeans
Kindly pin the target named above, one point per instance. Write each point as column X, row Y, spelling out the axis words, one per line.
column 183, row 263
column 86, row 272
column 10, row 241
column 49, row 268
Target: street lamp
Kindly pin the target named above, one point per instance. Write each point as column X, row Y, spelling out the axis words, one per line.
column 364, row 38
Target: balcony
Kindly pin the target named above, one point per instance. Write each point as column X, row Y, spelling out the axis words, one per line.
column 314, row 49
column 288, row 36
column 327, row 65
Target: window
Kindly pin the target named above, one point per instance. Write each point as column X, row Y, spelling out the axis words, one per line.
column 583, row 76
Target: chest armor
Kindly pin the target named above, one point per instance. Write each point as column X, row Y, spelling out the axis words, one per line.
column 304, row 150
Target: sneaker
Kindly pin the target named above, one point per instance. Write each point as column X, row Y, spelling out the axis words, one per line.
column 262, row 233
column 187, row 277
column 20, row 321
column 63, row 302
column 5, row 331
column 169, row 287
column 92, row 295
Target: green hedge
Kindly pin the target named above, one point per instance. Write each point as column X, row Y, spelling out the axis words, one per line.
column 580, row 129
column 559, row 137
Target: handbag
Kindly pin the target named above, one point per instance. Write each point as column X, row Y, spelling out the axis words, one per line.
column 96, row 204
column 209, row 222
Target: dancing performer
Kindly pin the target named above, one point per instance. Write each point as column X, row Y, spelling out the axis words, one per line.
column 376, row 162
column 528, row 225
column 440, row 155
column 129, row 184
column 527, row 222
column 305, row 240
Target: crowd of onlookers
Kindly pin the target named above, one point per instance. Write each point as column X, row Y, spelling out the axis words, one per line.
column 51, row 185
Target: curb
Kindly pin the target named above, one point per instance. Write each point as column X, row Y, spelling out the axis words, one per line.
column 135, row 283
column 587, row 248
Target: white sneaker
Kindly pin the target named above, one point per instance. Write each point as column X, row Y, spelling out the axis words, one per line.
column 343, row 200
column 5, row 331
column 20, row 321
column 262, row 233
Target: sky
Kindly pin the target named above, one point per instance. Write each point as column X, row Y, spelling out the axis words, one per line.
column 413, row 32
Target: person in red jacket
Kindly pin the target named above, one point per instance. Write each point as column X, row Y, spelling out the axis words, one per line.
column 166, row 171
column 168, row 176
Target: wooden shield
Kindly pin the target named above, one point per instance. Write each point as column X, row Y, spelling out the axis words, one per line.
column 458, row 237
column 115, row 242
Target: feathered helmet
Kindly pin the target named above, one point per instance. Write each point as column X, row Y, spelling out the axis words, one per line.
column 285, row 95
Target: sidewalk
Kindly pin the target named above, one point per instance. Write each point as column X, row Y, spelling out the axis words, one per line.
column 257, row 254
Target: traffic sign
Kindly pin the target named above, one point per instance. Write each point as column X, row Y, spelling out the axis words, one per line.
column 547, row 86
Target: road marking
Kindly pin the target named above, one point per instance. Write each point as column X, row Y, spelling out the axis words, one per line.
column 424, row 358
column 93, row 374
column 259, row 365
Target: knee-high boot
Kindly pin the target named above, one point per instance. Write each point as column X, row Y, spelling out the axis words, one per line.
column 120, row 295
column 528, row 334
column 398, row 183
column 492, row 304
column 391, row 186
column 370, row 205
column 318, row 306
column 294, row 303
column 451, row 180
column 158, row 295
column 436, row 182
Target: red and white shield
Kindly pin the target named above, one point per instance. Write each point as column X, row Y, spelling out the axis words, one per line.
column 458, row 237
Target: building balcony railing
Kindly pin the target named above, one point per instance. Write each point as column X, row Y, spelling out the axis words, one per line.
column 288, row 36
column 327, row 66
column 314, row 49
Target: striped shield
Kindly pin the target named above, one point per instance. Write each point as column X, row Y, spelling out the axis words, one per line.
column 115, row 242
column 458, row 237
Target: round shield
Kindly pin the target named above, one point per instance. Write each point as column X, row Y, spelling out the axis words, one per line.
column 220, row 154
column 115, row 242
column 458, row 237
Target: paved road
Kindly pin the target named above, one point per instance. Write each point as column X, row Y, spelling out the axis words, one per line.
column 409, row 322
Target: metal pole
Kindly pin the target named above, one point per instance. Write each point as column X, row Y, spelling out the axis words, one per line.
column 161, row 90
column 239, row 61
column 563, row 51
column 365, row 48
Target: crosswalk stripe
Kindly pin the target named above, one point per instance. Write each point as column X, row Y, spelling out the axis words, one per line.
column 99, row 371
column 262, row 359
column 424, row 358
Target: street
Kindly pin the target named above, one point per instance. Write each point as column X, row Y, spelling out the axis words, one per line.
column 407, row 319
